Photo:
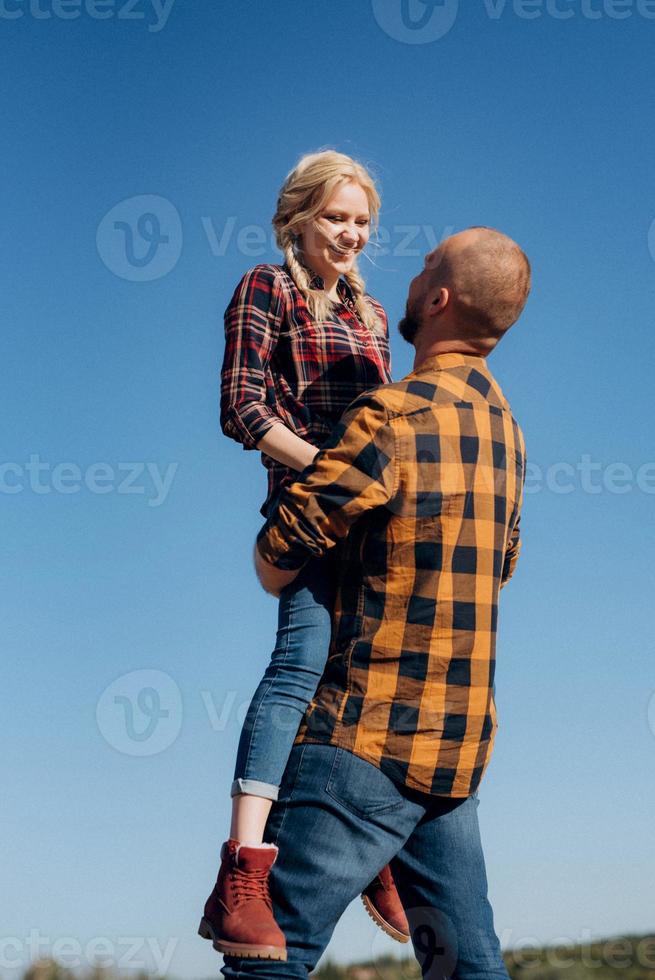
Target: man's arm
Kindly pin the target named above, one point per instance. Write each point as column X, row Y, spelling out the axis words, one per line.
column 512, row 553
column 355, row 471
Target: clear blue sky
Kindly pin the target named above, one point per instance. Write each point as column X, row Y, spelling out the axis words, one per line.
column 111, row 348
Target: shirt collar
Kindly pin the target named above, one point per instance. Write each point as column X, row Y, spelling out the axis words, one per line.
column 317, row 282
column 475, row 377
column 343, row 287
column 440, row 362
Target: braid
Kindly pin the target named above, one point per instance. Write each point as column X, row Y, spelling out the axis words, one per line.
column 318, row 303
column 366, row 312
column 298, row 271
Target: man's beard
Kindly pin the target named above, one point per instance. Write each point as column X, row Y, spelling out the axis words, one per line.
column 409, row 326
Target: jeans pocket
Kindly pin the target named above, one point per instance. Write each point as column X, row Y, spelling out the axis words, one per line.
column 361, row 787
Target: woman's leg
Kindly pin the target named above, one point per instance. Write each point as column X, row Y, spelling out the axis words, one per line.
column 249, row 816
column 238, row 916
column 285, row 690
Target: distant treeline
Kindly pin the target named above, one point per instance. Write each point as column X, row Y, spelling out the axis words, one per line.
column 622, row 958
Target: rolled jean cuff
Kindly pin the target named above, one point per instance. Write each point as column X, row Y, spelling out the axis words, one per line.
column 253, row 787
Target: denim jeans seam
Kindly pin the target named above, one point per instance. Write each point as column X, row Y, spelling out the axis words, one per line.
column 347, row 656
column 286, row 802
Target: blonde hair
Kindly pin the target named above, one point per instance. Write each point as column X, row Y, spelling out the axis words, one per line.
column 304, row 194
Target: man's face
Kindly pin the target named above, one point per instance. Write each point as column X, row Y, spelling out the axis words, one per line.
column 419, row 287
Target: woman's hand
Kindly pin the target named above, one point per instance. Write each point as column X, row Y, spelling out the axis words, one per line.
column 286, row 447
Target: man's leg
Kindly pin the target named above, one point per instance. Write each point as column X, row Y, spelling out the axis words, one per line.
column 337, row 822
column 441, row 878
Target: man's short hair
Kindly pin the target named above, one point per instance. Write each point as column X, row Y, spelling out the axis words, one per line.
column 490, row 279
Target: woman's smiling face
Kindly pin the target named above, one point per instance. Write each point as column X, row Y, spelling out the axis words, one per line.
column 332, row 241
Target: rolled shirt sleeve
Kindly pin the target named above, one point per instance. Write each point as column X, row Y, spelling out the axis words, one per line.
column 355, row 471
column 252, row 326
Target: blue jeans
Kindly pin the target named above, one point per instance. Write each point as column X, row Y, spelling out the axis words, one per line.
column 290, row 680
column 337, row 822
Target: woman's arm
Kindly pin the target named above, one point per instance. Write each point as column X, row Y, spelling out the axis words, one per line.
column 286, row 447
column 252, row 325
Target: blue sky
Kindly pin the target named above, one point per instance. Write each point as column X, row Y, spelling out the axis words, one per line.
column 129, row 518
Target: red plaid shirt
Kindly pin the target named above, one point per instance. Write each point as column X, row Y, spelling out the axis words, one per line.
column 281, row 364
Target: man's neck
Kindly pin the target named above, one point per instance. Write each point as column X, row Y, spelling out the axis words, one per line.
column 425, row 351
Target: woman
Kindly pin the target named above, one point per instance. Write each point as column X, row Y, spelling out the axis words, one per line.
column 302, row 341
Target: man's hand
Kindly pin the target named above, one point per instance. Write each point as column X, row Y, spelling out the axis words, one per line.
column 272, row 579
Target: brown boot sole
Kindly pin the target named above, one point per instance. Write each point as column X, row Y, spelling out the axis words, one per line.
column 400, row 937
column 244, row 951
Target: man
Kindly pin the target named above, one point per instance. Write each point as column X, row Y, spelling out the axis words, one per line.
column 420, row 488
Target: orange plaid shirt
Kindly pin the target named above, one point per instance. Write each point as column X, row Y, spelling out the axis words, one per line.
column 420, row 485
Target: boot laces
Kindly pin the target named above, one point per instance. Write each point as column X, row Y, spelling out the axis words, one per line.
column 251, row 885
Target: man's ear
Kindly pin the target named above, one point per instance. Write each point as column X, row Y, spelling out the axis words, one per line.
column 439, row 301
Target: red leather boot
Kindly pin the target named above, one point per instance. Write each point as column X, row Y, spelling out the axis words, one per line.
column 238, row 916
column 382, row 902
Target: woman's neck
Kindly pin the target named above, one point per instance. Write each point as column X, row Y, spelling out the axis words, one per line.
column 330, row 286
